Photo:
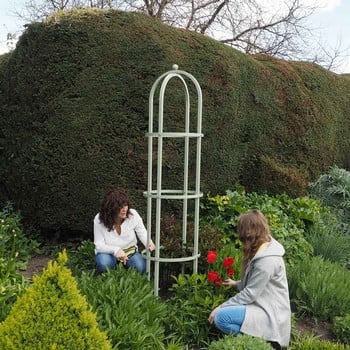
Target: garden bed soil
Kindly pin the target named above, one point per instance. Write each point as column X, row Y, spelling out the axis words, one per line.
column 36, row 265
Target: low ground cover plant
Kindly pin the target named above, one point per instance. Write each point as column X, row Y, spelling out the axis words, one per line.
column 241, row 342
column 312, row 342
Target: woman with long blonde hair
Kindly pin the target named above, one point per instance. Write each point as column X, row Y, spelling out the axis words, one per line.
column 261, row 308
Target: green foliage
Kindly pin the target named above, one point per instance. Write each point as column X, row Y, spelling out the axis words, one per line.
column 82, row 258
column 126, row 308
column 319, row 289
column 341, row 328
column 12, row 285
column 240, row 342
column 52, row 314
column 92, row 75
column 311, row 342
column 333, row 189
column 191, row 301
column 288, row 218
column 329, row 243
column 15, row 249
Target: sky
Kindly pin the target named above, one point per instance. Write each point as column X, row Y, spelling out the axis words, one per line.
column 332, row 23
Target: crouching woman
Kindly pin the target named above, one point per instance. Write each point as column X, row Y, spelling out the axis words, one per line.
column 261, row 308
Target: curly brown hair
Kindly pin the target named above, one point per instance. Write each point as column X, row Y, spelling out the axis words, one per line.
column 253, row 230
column 111, row 204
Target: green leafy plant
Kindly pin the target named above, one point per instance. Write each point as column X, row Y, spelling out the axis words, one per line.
column 126, row 308
column 240, row 342
column 341, row 328
column 329, row 243
column 12, row 285
column 82, row 258
column 288, row 218
column 311, row 342
column 333, row 189
column 52, row 314
column 15, row 249
column 319, row 289
column 190, row 303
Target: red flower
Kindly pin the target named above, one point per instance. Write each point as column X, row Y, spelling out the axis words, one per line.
column 230, row 272
column 218, row 281
column 211, row 257
column 228, row 262
column 213, row 276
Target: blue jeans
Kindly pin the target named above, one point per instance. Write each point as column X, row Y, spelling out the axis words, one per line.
column 229, row 319
column 104, row 260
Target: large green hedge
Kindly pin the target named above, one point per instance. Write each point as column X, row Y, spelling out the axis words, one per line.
column 74, row 113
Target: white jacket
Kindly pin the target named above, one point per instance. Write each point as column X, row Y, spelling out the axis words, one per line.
column 110, row 241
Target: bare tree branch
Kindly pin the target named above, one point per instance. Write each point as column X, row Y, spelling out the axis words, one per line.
column 246, row 25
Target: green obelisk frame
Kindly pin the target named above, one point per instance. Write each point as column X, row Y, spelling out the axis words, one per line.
column 185, row 194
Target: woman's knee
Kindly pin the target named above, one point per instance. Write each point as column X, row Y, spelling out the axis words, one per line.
column 104, row 261
column 229, row 319
column 138, row 262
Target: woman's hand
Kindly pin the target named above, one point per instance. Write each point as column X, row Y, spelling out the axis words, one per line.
column 121, row 256
column 151, row 246
column 229, row 282
column 211, row 316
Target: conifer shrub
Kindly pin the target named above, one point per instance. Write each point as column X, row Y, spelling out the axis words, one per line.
column 52, row 314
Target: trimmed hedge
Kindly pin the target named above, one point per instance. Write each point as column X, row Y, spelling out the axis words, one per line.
column 74, row 113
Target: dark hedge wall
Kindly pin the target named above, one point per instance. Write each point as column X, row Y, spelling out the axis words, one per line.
column 74, row 113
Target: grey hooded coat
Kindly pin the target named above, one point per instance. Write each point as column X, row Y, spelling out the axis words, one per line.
column 264, row 291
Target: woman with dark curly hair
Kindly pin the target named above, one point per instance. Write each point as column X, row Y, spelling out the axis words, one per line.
column 117, row 227
column 261, row 308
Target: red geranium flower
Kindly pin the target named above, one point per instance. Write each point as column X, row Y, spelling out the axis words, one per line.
column 219, row 269
column 218, row 281
column 230, row 272
column 213, row 276
column 211, row 256
column 228, row 262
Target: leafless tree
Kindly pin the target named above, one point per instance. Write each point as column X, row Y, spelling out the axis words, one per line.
column 247, row 25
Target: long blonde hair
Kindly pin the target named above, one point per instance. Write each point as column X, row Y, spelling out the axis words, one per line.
column 253, row 230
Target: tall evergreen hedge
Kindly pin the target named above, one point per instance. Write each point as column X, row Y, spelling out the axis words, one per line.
column 74, row 113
